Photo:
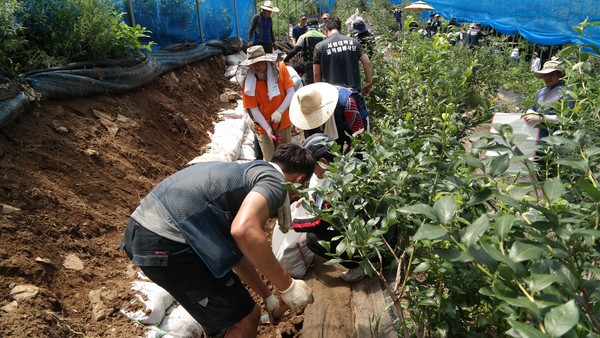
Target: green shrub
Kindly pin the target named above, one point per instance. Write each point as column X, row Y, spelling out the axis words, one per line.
column 14, row 44
column 60, row 32
column 482, row 252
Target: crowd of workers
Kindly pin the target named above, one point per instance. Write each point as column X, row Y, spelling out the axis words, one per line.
column 199, row 232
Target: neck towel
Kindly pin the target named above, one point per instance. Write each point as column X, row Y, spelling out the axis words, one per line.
column 272, row 83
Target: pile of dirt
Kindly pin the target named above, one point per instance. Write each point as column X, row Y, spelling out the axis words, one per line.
column 71, row 173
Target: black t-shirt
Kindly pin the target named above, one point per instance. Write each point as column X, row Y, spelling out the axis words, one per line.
column 339, row 57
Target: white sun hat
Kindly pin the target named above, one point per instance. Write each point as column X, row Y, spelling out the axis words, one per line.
column 313, row 105
column 268, row 6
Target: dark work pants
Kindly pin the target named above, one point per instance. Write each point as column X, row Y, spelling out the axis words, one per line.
column 215, row 303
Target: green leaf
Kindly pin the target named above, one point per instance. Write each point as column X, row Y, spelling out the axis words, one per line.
column 496, row 254
column 424, row 266
column 580, row 164
column 427, row 160
column 552, row 217
column 526, row 330
column 474, row 231
column 522, row 251
column 453, row 255
column 518, row 193
column 567, row 50
column 554, row 189
column 539, row 282
column 587, row 232
column 481, row 196
column 503, row 224
column 560, row 319
column 525, row 303
column 419, row 209
column 561, row 141
column 444, row 209
column 483, row 257
column 472, row 161
column 498, row 165
column 348, row 178
column 592, row 151
column 430, row 232
column 508, row 201
column 587, row 187
column 341, row 248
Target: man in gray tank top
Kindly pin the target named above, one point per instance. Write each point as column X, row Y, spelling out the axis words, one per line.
column 199, row 234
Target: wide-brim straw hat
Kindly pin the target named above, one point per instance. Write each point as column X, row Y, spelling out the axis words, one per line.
column 550, row 66
column 313, row 105
column 256, row 54
column 268, row 6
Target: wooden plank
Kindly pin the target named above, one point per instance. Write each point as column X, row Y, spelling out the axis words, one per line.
column 369, row 306
column 330, row 316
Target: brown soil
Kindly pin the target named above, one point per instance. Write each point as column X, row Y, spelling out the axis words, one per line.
column 76, row 169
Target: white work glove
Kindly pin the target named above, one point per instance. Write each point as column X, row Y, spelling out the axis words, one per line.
column 276, row 117
column 272, row 304
column 297, row 295
column 531, row 116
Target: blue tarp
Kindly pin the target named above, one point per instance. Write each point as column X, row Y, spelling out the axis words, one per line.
column 176, row 21
column 546, row 22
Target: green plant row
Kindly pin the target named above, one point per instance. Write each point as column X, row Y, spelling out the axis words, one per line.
column 482, row 252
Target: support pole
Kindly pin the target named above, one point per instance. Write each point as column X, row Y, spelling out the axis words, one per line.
column 237, row 23
column 131, row 14
column 199, row 20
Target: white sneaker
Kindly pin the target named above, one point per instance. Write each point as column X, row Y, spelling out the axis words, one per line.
column 353, row 275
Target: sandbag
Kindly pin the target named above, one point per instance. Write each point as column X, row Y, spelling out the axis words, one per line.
column 154, row 300
column 291, row 250
column 178, row 323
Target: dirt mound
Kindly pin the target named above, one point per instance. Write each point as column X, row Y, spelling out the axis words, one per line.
column 76, row 169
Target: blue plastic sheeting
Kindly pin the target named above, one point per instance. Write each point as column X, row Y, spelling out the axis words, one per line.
column 546, row 22
column 325, row 6
column 12, row 108
column 84, row 81
column 189, row 21
column 111, row 76
column 195, row 21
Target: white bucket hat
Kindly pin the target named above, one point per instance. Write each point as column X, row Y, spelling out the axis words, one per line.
column 553, row 65
column 257, row 54
column 268, row 6
column 313, row 105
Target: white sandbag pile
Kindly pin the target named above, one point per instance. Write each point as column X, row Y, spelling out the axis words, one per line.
column 157, row 309
column 232, row 62
column 233, row 138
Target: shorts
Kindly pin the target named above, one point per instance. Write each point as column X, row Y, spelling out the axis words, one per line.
column 215, row 303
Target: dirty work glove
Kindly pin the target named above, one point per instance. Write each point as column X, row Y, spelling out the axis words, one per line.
column 297, row 295
column 531, row 116
column 272, row 304
column 276, row 117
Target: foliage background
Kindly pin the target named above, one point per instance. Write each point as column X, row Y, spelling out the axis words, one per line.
column 60, row 32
